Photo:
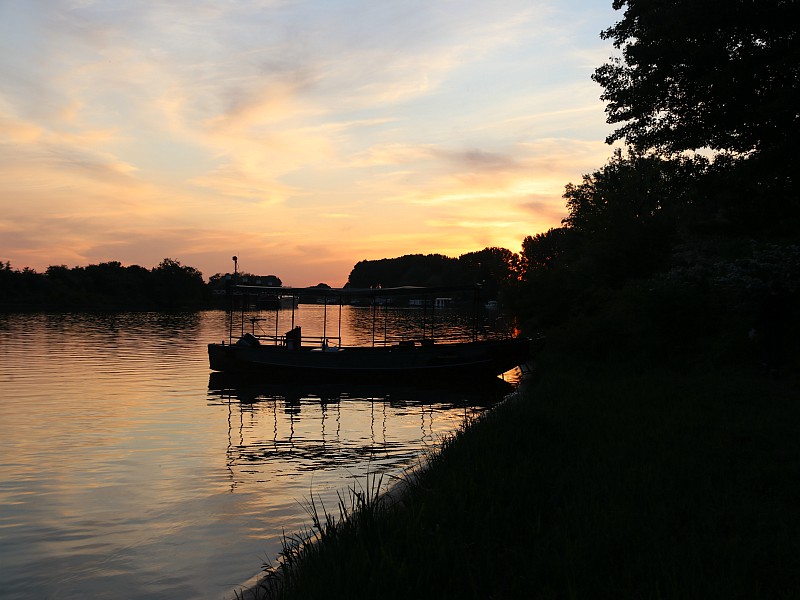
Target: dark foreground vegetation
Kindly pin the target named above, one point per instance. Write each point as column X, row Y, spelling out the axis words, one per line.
column 634, row 465
column 655, row 453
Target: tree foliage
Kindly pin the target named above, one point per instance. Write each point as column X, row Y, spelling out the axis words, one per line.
column 491, row 267
column 546, row 251
column 410, row 269
column 719, row 77
column 633, row 192
column 621, row 223
column 175, row 285
column 104, row 286
column 719, row 74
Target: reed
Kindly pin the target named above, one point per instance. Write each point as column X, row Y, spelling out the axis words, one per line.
column 359, row 504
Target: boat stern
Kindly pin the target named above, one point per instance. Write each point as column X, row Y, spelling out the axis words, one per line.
column 221, row 357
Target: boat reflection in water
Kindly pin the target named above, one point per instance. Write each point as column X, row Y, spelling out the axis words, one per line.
column 340, row 431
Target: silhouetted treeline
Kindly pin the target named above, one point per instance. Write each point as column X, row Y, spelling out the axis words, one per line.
column 693, row 228
column 673, row 234
column 106, row 286
column 492, row 268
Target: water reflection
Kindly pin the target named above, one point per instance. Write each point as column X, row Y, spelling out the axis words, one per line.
column 125, row 472
column 342, row 430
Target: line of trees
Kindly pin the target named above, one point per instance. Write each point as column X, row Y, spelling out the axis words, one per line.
column 705, row 96
column 105, row 286
column 493, row 268
column 171, row 285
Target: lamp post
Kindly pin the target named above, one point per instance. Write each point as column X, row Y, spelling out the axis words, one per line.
column 229, row 283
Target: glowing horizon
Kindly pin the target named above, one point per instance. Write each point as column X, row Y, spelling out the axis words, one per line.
column 302, row 137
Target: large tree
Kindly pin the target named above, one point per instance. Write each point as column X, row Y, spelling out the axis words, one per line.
column 718, row 74
column 633, row 192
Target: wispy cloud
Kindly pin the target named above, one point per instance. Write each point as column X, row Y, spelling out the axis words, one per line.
column 303, row 136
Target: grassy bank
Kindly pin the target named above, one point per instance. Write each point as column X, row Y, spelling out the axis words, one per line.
column 615, row 477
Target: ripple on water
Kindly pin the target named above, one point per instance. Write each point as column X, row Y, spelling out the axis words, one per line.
column 124, row 475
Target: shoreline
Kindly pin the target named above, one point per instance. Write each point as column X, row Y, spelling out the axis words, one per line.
column 601, row 480
column 254, row 588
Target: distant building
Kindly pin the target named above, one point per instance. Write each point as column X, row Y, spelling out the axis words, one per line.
column 444, row 302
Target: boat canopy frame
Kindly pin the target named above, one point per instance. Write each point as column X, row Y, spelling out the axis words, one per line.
column 377, row 297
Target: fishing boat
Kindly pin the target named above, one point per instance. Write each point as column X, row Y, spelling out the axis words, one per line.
column 293, row 356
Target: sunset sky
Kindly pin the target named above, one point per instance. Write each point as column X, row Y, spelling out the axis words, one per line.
column 302, row 136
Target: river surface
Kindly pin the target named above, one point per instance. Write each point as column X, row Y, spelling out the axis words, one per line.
column 127, row 471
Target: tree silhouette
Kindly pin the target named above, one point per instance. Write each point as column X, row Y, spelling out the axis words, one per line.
column 719, row 74
column 175, row 285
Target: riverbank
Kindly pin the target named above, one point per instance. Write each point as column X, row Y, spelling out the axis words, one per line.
column 614, row 476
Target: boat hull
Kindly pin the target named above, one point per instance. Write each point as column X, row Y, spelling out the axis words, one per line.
column 397, row 363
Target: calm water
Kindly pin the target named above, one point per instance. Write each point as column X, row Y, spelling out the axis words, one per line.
column 126, row 471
